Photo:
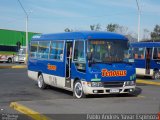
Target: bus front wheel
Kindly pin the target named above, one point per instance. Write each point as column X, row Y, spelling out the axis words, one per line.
column 156, row 75
column 78, row 90
column 41, row 83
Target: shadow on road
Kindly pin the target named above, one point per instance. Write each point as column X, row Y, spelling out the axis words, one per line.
column 59, row 90
column 62, row 91
column 137, row 92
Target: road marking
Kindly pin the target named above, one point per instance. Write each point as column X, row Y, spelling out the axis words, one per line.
column 148, row 82
column 141, row 96
column 22, row 66
column 29, row 112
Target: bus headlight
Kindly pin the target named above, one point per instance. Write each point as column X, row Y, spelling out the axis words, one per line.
column 96, row 84
column 129, row 83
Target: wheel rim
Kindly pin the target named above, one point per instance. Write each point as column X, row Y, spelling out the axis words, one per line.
column 156, row 75
column 78, row 90
column 40, row 81
column 9, row 60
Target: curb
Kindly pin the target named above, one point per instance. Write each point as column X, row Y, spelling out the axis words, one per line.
column 148, row 82
column 13, row 67
column 27, row 111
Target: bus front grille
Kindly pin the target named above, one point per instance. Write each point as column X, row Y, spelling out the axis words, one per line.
column 113, row 84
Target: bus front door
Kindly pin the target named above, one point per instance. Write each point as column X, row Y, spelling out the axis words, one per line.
column 69, row 47
column 148, row 60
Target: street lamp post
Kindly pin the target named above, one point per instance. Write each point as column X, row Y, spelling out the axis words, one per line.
column 139, row 20
column 26, row 38
column 26, row 29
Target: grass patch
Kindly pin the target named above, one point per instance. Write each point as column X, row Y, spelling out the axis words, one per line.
column 7, row 52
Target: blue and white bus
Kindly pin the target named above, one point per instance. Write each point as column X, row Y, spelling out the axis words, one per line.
column 147, row 58
column 82, row 62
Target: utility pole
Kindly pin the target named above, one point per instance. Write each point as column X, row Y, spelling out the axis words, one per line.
column 26, row 29
column 139, row 20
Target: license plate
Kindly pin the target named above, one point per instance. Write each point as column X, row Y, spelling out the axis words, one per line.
column 114, row 90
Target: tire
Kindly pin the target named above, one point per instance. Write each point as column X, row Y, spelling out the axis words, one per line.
column 78, row 90
column 41, row 83
column 9, row 60
column 156, row 75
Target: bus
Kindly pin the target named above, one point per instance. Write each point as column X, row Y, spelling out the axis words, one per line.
column 82, row 62
column 146, row 56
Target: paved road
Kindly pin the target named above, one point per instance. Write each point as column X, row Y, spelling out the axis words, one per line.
column 16, row 86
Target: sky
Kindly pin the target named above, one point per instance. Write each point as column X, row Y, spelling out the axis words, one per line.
column 52, row 16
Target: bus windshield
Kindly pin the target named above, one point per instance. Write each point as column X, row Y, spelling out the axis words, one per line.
column 105, row 51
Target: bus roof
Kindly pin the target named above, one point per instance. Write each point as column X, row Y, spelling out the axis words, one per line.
column 79, row 35
column 145, row 44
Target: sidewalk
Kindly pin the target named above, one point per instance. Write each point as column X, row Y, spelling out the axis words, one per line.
column 11, row 66
column 148, row 81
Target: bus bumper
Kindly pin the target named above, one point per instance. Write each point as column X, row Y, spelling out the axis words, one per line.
column 102, row 90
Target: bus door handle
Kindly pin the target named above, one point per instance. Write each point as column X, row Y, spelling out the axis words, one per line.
column 69, row 65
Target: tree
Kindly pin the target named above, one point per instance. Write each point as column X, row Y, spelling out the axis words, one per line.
column 122, row 30
column 117, row 28
column 155, row 35
column 112, row 27
column 132, row 37
column 68, row 30
column 92, row 27
column 96, row 27
column 18, row 45
column 146, row 34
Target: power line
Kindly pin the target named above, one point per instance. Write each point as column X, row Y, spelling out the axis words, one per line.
column 22, row 7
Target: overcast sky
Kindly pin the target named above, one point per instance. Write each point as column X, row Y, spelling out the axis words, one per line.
column 50, row 16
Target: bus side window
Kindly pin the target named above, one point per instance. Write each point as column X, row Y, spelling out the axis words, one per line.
column 142, row 56
column 79, row 57
column 156, row 54
column 79, row 51
column 159, row 55
column 33, row 49
column 139, row 53
column 43, row 50
column 136, row 56
column 56, row 50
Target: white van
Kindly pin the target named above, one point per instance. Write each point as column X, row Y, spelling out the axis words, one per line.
column 21, row 55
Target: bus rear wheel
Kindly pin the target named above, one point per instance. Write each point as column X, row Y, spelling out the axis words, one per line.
column 41, row 83
column 156, row 75
column 78, row 90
